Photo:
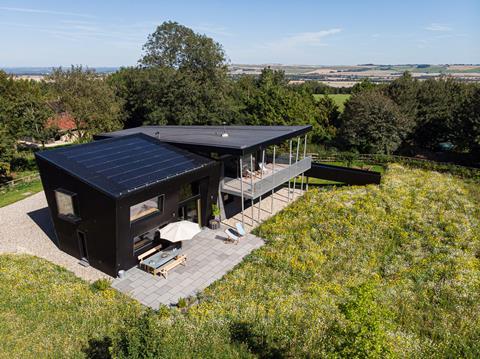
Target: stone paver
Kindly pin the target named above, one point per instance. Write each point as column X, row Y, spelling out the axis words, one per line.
column 208, row 259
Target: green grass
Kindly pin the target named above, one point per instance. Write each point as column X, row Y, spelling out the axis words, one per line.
column 377, row 271
column 339, row 99
column 46, row 311
column 19, row 192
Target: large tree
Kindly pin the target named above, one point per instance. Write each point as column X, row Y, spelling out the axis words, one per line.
column 182, row 79
column 468, row 118
column 437, row 103
column 88, row 98
column 24, row 108
column 373, row 123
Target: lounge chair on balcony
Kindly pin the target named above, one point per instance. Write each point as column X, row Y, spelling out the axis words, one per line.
column 263, row 167
column 240, row 230
column 232, row 236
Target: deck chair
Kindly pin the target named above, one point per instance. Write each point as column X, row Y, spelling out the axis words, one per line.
column 240, row 230
column 232, row 236
column 263, row 167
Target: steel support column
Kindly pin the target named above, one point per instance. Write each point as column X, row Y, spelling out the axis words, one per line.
column 289, row 168
column 261, row 178
column 252, row 172
column 296, row 160
column 304, row 156
column 273, row 177
column 241, row 190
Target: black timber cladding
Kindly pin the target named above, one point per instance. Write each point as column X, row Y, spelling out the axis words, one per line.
column 240, row 140
column 122, row 165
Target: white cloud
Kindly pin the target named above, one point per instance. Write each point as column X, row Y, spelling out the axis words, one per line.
column 438, row 27
column 47, row 12
column 303, row 39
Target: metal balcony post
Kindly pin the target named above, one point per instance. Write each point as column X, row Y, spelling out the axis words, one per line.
column 304, row 156
column 273, row 177
column 296, row 164
column 251, row 185
column 289, row 168
column 241, row 190
column 261, row 178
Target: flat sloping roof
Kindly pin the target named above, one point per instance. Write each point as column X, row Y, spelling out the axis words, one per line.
column 240, row 140
column 119, row 166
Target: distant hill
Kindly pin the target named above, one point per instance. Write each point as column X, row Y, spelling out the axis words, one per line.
column 42, row 71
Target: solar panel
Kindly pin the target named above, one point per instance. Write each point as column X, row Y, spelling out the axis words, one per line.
column 121, row 165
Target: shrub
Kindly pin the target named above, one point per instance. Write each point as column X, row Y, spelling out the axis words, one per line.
column 101, row 285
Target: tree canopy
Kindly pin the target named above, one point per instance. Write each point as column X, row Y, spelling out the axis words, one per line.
column 373, row 123
column 88, row 98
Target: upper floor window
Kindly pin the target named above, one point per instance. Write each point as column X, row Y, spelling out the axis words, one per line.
column 152, row 205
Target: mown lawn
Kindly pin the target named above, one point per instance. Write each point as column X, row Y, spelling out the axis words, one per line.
column 339, row 99
column 377, row 271
column 19, row 192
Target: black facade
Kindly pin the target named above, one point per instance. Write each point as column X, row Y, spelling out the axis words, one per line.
column 91, row 193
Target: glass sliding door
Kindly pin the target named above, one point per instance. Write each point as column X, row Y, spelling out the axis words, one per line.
column 190, row 211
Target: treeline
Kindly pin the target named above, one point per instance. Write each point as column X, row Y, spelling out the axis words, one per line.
column 182, row 79
column 409, row 114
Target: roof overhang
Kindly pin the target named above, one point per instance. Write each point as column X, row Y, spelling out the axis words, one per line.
column 241, row 140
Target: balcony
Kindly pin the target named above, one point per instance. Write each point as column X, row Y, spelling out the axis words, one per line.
column 261, row 183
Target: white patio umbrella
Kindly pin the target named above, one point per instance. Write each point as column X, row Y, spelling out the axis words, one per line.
column 180, row 231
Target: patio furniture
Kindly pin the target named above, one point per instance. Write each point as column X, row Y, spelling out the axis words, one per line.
column 232, row 236
column 172, row 264
column 180, row 231
column 240, row 230
column 144, row 255
column 154, row 263
column 263, row 167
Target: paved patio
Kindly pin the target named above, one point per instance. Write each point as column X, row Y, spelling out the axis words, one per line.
column 262, row 210
column 208, row 259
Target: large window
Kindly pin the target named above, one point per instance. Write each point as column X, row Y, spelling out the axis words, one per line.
column 65, row 203
column 140, row 210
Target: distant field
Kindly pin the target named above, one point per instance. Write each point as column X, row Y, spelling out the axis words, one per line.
column 339, row 99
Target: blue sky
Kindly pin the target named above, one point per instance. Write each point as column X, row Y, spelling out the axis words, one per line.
column 111, row 33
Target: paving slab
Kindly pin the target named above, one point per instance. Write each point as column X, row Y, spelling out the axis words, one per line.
column 208, row 259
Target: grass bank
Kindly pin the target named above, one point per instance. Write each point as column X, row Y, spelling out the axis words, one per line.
column 46, row 311
column 377, row 271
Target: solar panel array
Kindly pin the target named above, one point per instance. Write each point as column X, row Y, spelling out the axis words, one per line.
column 121, row 165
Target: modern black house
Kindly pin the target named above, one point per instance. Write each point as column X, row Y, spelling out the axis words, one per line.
column 110, row 198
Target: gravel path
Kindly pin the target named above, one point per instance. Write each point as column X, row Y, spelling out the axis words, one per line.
column 25, row 227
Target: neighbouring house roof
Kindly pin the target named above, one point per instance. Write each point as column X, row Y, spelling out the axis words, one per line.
column 64, row 122
column 240, row 140
column 122, row 165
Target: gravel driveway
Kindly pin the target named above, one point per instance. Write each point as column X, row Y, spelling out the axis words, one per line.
column 25, row 227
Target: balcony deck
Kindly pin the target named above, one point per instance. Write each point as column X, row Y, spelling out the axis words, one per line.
column 271, row 178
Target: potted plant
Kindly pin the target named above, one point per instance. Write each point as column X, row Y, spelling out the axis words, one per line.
column 214, row 223
column 216, row 211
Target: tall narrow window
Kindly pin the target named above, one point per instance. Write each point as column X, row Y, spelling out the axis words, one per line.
column 145, row 208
